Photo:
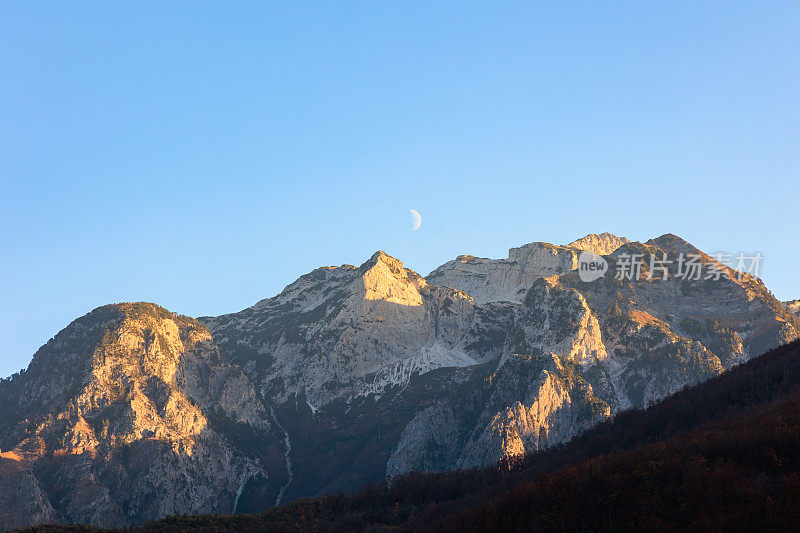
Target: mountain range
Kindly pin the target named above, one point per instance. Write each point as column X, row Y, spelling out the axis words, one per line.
column 355, row 374
column 719, row 456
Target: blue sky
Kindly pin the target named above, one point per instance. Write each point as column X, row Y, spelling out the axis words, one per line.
column 204, row 155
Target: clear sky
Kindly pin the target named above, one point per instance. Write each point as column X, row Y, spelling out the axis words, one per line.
column 204, row 155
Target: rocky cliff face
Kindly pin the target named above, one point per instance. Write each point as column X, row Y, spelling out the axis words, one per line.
column 354, row 373
column 117, row 421
column 528, row 403
column 611, row 344
column 344, row 331
column 607, row 345
column 497, row 280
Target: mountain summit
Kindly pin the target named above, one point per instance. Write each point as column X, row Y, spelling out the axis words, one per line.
column 126, row 415
column 601, row 244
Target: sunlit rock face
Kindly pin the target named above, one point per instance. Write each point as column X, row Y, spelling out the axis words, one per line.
column 631, row 342
column 527, row 403
column 662, row 334
column 555, row 406
column 354, row 373
column 601, row 244
column 112, row 421
column 345, row 331
column 558, row 320
column 496, row 280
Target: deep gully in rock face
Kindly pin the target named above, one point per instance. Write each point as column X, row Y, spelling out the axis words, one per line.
column 287, row 455
column 239, row 493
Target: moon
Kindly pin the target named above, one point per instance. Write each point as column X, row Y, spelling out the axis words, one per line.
column 416, row 220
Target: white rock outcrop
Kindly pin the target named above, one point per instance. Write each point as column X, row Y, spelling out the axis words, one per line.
column 496, row 280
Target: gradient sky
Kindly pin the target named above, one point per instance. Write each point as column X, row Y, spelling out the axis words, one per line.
column 203, row 156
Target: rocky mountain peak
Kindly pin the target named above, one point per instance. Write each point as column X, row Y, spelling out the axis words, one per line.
column 385, row 278
column 496, row 280
column 599, row 243
column 145, row 392
column 381, row 256
column 348, row 331
column 118, row 352
column 673, row 244
column 70, row 359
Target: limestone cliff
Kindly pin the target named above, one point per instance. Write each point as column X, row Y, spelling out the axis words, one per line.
column 494, row 280
column 348, row 331
column 116, row 421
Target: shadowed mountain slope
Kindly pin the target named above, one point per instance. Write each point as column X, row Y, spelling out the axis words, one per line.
column 721, row 455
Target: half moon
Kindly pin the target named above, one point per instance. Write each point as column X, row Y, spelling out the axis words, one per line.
column 416, row 220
